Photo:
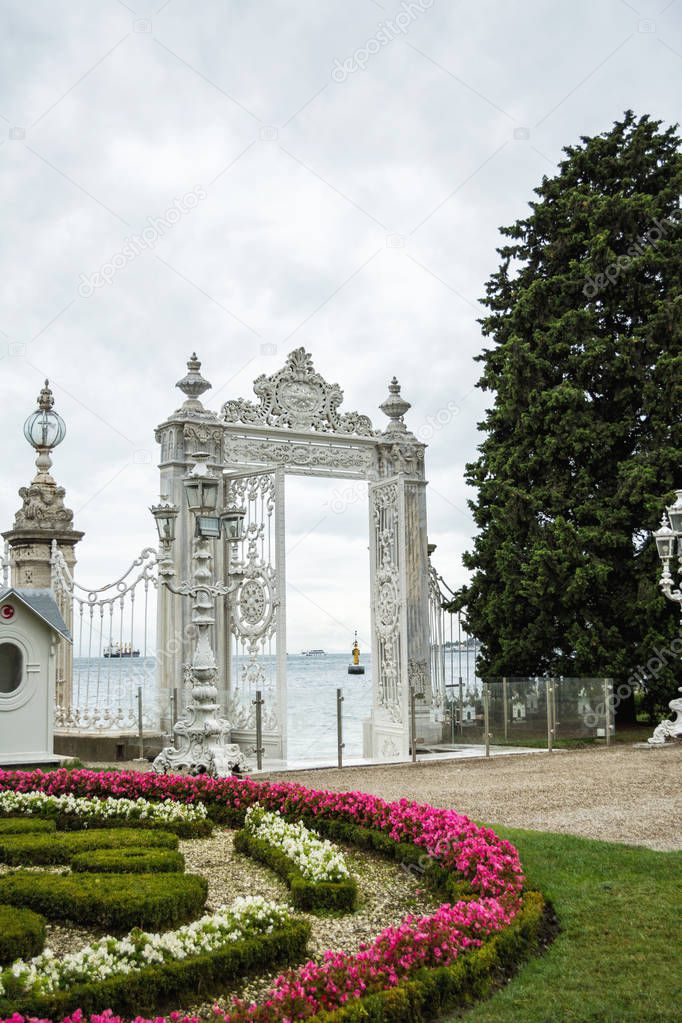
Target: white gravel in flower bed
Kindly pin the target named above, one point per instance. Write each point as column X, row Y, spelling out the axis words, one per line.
column 387, row 893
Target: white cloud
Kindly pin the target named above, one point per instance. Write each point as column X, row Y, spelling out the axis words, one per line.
column 421, row 145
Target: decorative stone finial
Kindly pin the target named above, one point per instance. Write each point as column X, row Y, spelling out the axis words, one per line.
column 193, row 385
column 395, row 408
column 46, row 398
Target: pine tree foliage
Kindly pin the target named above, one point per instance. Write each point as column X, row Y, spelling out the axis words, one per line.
column 583, row 436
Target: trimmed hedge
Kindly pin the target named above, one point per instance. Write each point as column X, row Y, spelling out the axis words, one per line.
column 24, row 826
column 433, row 992
column 129, row 861
column 22, row 934
column 48, row 850
column 162, row 987
column 116, row 902
column 305, row 894
column 183, row 829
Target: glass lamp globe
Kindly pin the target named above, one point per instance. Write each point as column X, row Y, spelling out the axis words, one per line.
column 45, row 428
column 675, row 514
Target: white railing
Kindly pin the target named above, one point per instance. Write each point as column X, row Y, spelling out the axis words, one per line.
column 113, row 653
column 5, row 564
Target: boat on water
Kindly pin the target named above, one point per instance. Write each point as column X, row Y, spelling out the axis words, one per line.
column 116, row 650
column 313, row 653
column 355, row 668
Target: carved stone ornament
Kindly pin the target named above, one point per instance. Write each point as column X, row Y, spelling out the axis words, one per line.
column 297, row 398
column 203, row 437
column 669, row 730
column 249, row 451
column 389, row 748
column 43, row 507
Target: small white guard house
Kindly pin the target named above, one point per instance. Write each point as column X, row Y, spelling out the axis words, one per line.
column 30, row 625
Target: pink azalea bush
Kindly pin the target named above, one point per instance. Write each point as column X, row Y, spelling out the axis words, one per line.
column 489, row 864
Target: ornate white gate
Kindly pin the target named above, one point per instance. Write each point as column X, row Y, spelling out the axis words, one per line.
column 255, row 615
column 296, row 427
column 389, row 618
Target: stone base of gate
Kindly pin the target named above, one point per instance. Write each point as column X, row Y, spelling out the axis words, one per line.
column 383, row 739
column 272, row 744
column 109, row 747
column 431, row 729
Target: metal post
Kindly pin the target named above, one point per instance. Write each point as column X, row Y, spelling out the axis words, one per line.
column 461, row 686
column 486, row 717
column 452, row 677
column 413, row 724
column 140, row 724
column 258, row 704
column 340, row 744
column 505, row 703
column 173, row 709
column 549, row 691
column 608, row 709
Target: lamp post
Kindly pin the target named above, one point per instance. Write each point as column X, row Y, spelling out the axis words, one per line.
column 203, row 736
column 668, row 543
column 44, row 430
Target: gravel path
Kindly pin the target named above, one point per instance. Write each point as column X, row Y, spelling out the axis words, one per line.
column 623, row 794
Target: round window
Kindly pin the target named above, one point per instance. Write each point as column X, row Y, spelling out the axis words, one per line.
column 11, row 668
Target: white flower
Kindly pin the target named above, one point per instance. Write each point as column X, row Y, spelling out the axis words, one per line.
column 316, row 858
column 40, row 804
column 111, row 957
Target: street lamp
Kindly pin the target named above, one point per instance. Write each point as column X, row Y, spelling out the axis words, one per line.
column 669, row 542
column 203, row 736
column 668, row 539
column 165, row 515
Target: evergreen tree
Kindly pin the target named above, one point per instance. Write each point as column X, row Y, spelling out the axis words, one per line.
column 583, row 439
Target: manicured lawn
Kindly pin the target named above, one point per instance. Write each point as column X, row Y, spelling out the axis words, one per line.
column 617, row 958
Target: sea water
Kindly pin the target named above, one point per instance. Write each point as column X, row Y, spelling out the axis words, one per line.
column 311, row 705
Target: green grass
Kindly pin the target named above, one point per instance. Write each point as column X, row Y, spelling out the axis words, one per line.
column 623, row 736
column 617, row 957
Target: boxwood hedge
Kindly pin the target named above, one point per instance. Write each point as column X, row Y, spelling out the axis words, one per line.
column 49, row 849
column 129, row 861
column 24, row 826
column 115, row 902
column 305, row 894
column 22, row 934
column 183, row 829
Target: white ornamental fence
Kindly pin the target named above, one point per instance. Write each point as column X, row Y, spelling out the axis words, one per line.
column 113, row 655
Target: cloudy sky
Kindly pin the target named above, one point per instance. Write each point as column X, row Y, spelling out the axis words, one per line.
column 341, row 170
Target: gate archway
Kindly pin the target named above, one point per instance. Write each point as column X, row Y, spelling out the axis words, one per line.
column 297, row 427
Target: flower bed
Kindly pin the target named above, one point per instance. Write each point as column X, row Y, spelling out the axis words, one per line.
column 313, row 868
column 48, row 982
column 413, row 971
column 190, row 818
